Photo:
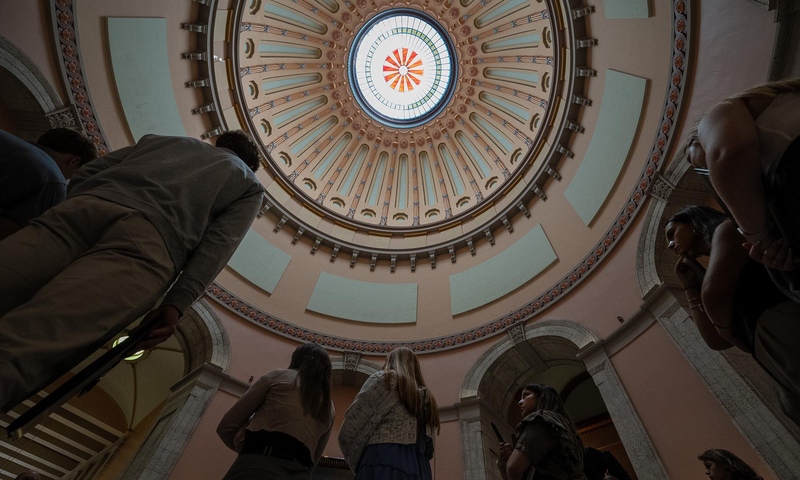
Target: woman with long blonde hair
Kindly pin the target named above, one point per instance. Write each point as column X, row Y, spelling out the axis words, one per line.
column 388, row 431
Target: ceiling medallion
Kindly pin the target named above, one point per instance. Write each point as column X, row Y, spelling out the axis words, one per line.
column 390, row 124
column 402, row 68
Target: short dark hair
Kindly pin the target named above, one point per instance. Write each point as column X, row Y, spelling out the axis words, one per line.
column 241, row 144
column 66, row 140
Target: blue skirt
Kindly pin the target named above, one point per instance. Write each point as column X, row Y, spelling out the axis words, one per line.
column 393, row 461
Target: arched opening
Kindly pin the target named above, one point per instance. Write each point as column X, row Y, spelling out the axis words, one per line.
column 548, row 352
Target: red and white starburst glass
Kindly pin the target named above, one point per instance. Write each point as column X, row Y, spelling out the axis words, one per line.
column 403, row 70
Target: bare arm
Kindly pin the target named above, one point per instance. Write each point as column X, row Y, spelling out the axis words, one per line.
column 242, row 410
column 725, row 265
column 729, row 138
column 692, row 274
column 323, row 440
column 517, row 464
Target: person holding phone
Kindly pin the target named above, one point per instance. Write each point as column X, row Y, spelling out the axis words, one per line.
column 732, row 302
column 545, row 444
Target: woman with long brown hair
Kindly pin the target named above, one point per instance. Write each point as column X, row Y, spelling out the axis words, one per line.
column 545, row 443
column 732, row 302
column 723, row 465
column 388, row 431
column 282, row 423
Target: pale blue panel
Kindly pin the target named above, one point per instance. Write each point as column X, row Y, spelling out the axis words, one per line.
column 427, row 178
column 626, row 8
column 354, row 168
column 471, row 151
column 259, row 261
column 287, row 82
column 377, row 180
column 342, row 297
column 501, row 274
column 507, row 106
column 623, row 97
column 453, row 170
column 507, row 7
column 138, row 48
column 294, row 112
column 273, row 49
column 333, row 154
column 402, row 183
column 312, row 136
column 498, row 137
column 528, row 40
column 278, row 12
column 513, row 75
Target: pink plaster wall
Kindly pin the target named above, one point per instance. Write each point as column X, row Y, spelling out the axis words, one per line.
column 205, row 456
column 677, row 410
column 26, row 24
column 732, row 50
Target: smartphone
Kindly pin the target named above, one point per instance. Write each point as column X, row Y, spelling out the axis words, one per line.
column 497, row 432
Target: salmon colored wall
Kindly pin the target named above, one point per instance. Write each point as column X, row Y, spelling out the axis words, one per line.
column 26, row 24
column 714, row 72
column 612, row 290
column 342, row 397
column 677, row 410
column 448, row 462
column 205, row 456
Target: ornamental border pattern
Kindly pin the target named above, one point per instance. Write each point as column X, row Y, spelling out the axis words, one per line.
column 69, row 50
column 69, row 60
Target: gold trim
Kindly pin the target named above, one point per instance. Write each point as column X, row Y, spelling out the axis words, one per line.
column 344, row 225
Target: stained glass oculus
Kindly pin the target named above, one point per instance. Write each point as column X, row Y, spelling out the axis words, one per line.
column 402, row 68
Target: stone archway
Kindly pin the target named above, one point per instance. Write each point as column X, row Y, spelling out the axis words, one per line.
column 488, row 386
column 29, row 97
column 207, row 352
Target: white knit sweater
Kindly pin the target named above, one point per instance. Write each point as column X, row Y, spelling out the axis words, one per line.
column 376, row 416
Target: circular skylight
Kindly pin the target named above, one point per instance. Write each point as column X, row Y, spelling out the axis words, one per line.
column 402, row 68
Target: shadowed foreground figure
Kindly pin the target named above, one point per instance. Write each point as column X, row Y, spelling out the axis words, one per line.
column 33, row 177
column 160, row 217
column 545, row 443
column 750, row 146
column 733, row 303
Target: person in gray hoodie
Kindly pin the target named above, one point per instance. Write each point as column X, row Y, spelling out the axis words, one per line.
column 158, row 219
